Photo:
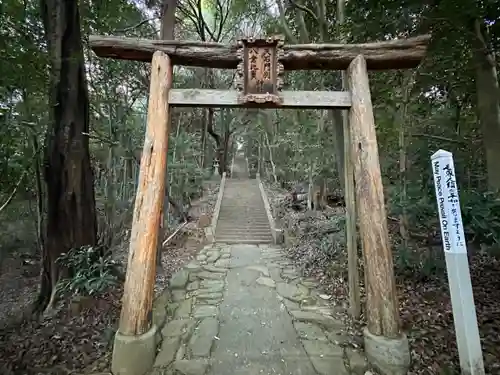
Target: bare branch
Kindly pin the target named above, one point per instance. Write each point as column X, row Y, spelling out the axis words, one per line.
column 136, row 26
column 304, row 9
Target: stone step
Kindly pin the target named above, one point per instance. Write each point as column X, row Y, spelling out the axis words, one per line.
column 243, row 216
column 246, row 241
column 242, row 225
column 248, row 233
column 243, row 205
column 243, row 235
column 234, row 210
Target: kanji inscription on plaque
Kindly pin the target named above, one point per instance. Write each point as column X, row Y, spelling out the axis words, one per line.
column 259, row 72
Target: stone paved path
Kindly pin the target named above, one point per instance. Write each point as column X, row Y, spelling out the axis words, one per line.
column 244, row 310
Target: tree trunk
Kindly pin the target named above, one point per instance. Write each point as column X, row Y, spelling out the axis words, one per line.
column 217, row 138
column 488, row 102
column 168, row 19
column 71, row 219
column 271, row 160
column 408, row 83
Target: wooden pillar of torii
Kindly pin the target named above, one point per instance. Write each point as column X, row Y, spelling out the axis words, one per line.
column 260, row 63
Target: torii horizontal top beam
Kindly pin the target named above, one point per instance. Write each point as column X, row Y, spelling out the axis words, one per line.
column 394, row 54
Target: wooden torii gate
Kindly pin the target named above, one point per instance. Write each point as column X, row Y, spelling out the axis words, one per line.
column 260, row 64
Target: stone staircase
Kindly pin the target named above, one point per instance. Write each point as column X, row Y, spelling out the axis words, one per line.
column 242, row 217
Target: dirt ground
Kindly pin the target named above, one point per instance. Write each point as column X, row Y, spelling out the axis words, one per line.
column 69, row 342
column 425, row 305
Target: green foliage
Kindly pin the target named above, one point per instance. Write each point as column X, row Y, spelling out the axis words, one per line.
column 481, row 217
column 419, row 263
column 92, row 270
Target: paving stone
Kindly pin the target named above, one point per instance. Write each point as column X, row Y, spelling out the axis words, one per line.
column 210, row 289
column 178, row 295
column 324, row 310
column 214, row 302
column 203, row 337
column 325, row 297
column 209, row 295
column 266, row 281
column 357, row 362
column 290, row 279
column 308, row 301
column 163, row 298
column 309, row 283
column 181, row 353
column 193, row 285
column 263, row 270
column 338, row 337
column 160, row 309
column 322, row 349
column 309, row 331
column 184, row 309
column 325, row 321
column 303, row 289
column 213, row 252
column 168, row 350
column 212, row 256
column 177, row 327
column 223, row 263
column 329, row 365
column 211, row 268
column 290, row 305
column 290, row 292
column 191, row 366
column 210, row 275
column 208, row 283
column 275, row 274
column 172, row 306
column 205, row 311
column 193, row 266
column 157, row 371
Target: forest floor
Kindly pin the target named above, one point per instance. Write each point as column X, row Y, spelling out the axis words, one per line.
column 425, row 305
column 78, row 342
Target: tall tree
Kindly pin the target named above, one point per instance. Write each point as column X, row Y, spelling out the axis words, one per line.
column 71, row 216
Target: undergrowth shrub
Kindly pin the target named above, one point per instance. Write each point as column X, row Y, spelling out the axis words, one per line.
column 481, row 217
column 481, row 220
column 93, row 271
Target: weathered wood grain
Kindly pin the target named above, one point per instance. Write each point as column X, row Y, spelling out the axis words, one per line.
column 382, row 302
column 139, row 281
column 229, row 98
column 394, row 54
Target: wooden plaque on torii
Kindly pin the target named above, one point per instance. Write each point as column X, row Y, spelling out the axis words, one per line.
column 259, row 72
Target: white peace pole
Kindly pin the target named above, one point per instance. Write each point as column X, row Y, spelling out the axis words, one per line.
column 457, row 264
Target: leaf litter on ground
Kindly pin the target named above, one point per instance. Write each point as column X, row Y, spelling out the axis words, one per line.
column 68, row 343
column 425, row 305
